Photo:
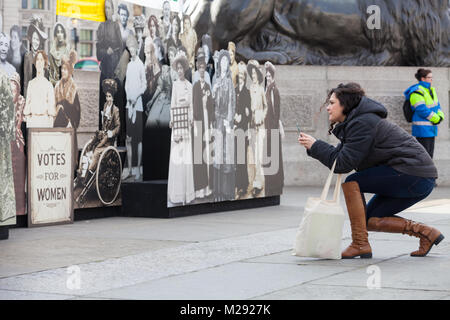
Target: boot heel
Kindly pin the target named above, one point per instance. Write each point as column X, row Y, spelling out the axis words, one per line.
column 439, row 239
column 366, row 255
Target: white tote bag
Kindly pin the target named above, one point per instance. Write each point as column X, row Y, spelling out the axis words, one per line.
column 320, row 232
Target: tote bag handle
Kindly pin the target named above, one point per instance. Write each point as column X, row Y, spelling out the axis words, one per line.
column 337, row 188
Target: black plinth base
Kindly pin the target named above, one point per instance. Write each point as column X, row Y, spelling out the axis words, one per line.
column 4, row 232
column 96, row 213
column 149, row 199
column 144, row 199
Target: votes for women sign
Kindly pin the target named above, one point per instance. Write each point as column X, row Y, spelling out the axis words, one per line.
column 50, row 176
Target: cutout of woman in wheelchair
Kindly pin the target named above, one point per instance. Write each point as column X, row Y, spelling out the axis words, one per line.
column 100, row 151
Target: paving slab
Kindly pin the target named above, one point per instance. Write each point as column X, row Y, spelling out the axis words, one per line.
column 405, row 272
column 134, row 269
column 20, row 257
column 325, row 292
column 23, row 295
column 229, row 282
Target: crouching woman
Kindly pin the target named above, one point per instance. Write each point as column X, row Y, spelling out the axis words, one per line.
column 389, row 163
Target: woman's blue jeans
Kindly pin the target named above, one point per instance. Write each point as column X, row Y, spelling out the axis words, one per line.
column 394, row 191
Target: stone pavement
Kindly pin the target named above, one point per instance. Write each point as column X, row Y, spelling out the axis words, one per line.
column 231, row 255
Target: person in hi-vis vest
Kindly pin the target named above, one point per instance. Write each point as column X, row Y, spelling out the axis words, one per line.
column 427, row 110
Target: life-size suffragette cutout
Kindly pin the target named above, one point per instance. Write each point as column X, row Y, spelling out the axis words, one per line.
column 234, row 64
column 152, row 70
column 100, row 168
column 173, row 38
column 158, row 108
column 273, row 182
column 7, row 67
column 7, row 135
column 154, row 30
column 109, row 49
column 60, row 48
column 135, row 86
column 189, row 40
column 67, row 100
column 242, row 121
column 225, row 106
column 19, row 161
column 139, row 26
column 204, row 118
column 181, row 179
column 124, row 14
column 165, row 23
column 36, row 37
column 259, row 112
column 207, row 50
column 16, row 51
column 40, row 108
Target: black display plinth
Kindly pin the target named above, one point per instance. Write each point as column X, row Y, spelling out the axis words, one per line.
column 149, row 199
column 96, row 213
column 4, row 232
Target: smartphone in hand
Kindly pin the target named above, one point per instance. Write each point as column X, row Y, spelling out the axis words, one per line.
column 298, row 129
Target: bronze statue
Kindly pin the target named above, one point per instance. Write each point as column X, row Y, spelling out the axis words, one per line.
column 329, row 32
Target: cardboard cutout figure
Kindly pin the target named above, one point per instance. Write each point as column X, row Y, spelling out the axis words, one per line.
column 259, row 112
column 242, row 121
column 67, row 100
column 196, row 75
column 152, row 70
column 19, row 161
column 99, row 173
column 139, row 26
column 204, row 118
column 124, row 14
column 173, row 38
column 171, row 54
column 154, row 30
column 135, row 86
column 4, row 48
column 158, row 108
column 60, row 48
column 109, row 49
column 234, row 65
column 189, row 40
column 207, row 50
column 40, row 109
column 7, row 135
column 16, row 51
column 166, row 22
column 225, row 106
column 181, row 178
column 273, row 182
column 36, row 37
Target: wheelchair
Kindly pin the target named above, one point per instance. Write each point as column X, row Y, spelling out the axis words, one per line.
column 107, row 176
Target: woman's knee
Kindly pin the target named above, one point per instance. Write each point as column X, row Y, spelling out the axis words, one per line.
column 352, row 177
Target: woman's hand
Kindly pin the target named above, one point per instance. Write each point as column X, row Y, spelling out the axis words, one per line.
column 306, row 140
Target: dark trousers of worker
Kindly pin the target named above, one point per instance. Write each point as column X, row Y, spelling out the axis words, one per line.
column 428, row 144
column 393, row 191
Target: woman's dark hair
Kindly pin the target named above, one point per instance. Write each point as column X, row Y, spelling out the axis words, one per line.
column 349, row 95
column 422, row 73
column 15, row 28
column 124, row 7
column 155, row 21
column 56, row 30
column 177, row 19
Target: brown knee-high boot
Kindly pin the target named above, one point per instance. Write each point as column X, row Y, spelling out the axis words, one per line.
column 427, row 235
column 360, row 246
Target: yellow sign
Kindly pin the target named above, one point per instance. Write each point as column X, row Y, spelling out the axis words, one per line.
column 82, row 9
